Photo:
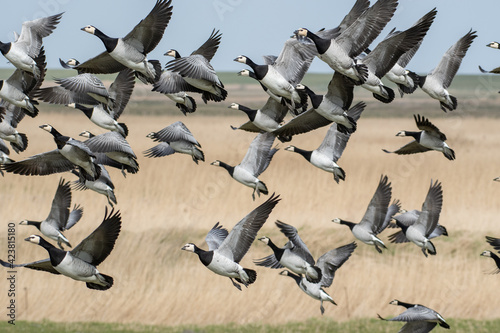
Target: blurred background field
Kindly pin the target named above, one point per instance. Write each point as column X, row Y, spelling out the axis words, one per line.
column 172, row 201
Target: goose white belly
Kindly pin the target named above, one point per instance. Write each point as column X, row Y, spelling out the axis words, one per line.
column 431, row 142
column 339, row 60
column 314, row 290
column 294, row 262
column 14, row 95
column 224, row 266
column 415, row 236
column 323, row 162
column 78, row 269
column 265, row 123
column 397, row 74
column 49, row 231
column 434, row 88
column 202, row 84
column 20, row 59
column 245, row 177
column 78, row 157
column 332, row 112
column 373, row 84
column 103, row 119
column 122, row 158
column 130, row 57
column 182, row 147
column 363, row 235
column 8, row 132
column 278, row 85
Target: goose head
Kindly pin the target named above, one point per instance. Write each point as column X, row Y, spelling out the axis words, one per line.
column 301, row 32
column 216, row 163
column 189, row 247
column 33, row 239
column 244, row 72
column 265, row 240
column 401, row 133
column 337, row 220
column 235, row 106
column 290, row 148
column 90, row 29
column 86, row 134
column 243, row 59
column 494, row 45
column 486, row 254
column 23, row 222
column 46, row 127
column 394, row 302
column 172, row 53
column 72, row 62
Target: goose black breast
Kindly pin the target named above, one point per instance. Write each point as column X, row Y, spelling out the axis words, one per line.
column 206, row 257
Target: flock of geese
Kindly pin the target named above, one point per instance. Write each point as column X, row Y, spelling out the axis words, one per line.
column 344, row 48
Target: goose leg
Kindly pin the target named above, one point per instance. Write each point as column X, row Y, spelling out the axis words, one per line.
column 423, row 251
column 322, row 308
column 235, row 284
column 378, row 249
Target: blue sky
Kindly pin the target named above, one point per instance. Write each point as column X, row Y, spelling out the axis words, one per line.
column 253, row 28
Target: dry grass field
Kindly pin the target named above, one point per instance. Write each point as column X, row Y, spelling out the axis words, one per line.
column 172, row 201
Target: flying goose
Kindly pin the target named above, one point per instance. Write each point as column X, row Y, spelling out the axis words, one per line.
column 328, row 108
column 255, row 162
column 84, row 88
column 197, row 71
column 103, row 115
column 112, row 149
column 131, row 50
column 70, row 153
column 409, row 218
column 386, row 54
column 419, row 232
column 173, row 85
column 418, row 318
column 24, row 51
column 8, row 132
column 80, row 263
column 115, row 147
column 20, row 90
column 175, row 138
column 102, row 185
column 281, row 75
column 377, row 216
column 328, row 263
column 340, row 52
column 268, row 118
column 329, row 152
column 294, row 255
column 406, row 80
column 226, row 249
column 60, row 218
column 435, row 83
column 495, row 242
column 429, row 138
